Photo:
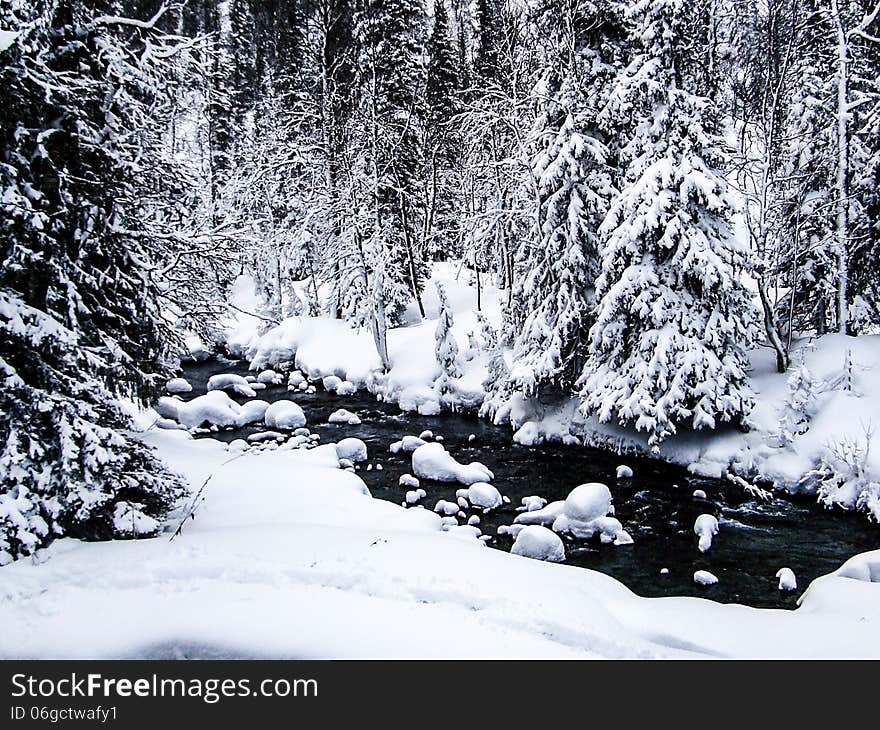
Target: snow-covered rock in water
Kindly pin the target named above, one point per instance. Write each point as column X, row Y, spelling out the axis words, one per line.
column 264, row 436
column 258, row 386
column 465, row 532
column 396, row 447
column 530, row 504
column 270, row 377
column 169, row 425
column 588, row 502
column 431, row 461
column 411, row 443
column 214, row 408
column 295, row 380
column 178, row 385
column 705, row 578
column 471, row 438
column 608, row 528
column 622, row 537
column 346, row 387
column 699, row 494
column 252, row 412
column 787, row 579
column 231, row 381
column 473, row 520
column 352, row 448
column 426, row 435
column 529, row 434
column 285, row 415
column 481, row 494
column 412, row 496
column 408, row 481
column 130, row 521
column 331, row 383
column 344, row 416
column 536, row 541
column 545, row 516
column 237, row 446
column 664, row 571
column 624, row 472
column 445, row 507
column 705, row 528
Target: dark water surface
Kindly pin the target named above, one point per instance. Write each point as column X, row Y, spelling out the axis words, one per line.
column 656, row 506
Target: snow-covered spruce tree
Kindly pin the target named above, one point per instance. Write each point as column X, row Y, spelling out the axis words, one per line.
column 798, row 409
column 556, row 268
column 674, row 320
column 79, row 324
column 446, row 348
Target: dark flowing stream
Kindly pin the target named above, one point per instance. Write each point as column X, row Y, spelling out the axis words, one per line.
column 656, row 506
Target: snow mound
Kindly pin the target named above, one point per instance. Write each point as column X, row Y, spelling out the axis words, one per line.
column 352, row 448
column 787, row 579
column 431, row 461
column 705, row 578
column 411, row 443
column 622, row 537
column 539, row 543
column 230, row 381
column 344, row 416
column 529, row 434
column 285, row 415
column 699, row 494
column 588, row 502
column 409, row 481
column 481, row 494
column 705, row 527
column 178, row 385
column 196, row 349
column 447, row 508
column 624, row 472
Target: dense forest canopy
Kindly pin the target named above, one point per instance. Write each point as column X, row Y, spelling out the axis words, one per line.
column 657, row 185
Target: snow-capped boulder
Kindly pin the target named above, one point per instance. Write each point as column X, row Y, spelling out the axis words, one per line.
column 588, row 502
column 431, row 461
column 346, row 387
column 295, row 380
column 546, row 516
column 705, row 578
column 624, row 472
column 481, row 494
column 196, row 349
column 408, row 481
column 426, row 435
column 265, row 437
column 412, row 496
column 705, row 528
column 168, row 407
column 252, row 412
column 285, row 415
column 214, row 408
column 529, row 434
column 787, row 579
column 270, row 377
column 352, row 448
column 699, row 494
column 233, row 382
column 178, row 385
column 331, row 383
column 445, row 507
column 539, row 543
column 411, row 443
column 344, row 416
column 622, row 537
column 531, row 504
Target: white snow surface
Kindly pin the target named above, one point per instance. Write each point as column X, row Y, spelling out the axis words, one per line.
column 288, row 549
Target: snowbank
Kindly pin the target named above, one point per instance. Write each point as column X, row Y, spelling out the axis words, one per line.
column 290, row 557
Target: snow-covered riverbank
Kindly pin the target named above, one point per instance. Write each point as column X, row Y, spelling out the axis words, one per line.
column 289, row 556
column 810, row 430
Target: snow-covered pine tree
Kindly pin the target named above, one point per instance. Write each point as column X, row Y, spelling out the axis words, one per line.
column 79, row 322
column 796, row 412
column 446, row 347
column 674, row 320
column 556, row 268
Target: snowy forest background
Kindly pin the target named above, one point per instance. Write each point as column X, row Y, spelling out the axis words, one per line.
column 658, row 187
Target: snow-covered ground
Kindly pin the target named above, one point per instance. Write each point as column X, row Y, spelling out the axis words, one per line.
column 837, row 404
column 289, row 556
